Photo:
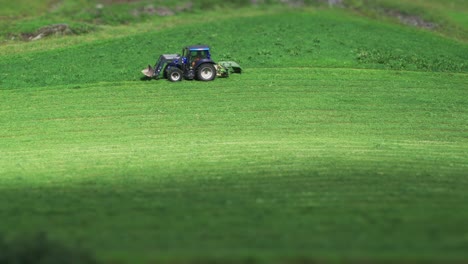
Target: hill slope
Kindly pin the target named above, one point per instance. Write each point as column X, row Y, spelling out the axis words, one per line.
column 325, row 39
column 345, row 139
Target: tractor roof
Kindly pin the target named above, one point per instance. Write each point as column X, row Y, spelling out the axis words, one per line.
column 198, row 47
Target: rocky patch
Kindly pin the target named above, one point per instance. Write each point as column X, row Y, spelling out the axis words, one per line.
column 50, row 30
column 412, row 20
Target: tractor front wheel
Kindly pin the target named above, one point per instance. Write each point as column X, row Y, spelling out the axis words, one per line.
column 206, row 72
column 174, row 75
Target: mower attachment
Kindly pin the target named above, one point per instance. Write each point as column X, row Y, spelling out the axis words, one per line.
column 231, row 66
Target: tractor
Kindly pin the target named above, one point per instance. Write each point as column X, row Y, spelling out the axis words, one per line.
column 194, row 63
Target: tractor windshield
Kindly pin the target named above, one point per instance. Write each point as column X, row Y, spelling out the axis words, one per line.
column 199, row 54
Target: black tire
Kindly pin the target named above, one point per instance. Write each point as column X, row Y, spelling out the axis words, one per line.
column 174, row 75
column 206, row 72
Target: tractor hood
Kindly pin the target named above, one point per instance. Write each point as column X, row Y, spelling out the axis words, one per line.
column 171, row 57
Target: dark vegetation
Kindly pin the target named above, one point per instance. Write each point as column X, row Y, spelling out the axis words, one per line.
column 39, row 249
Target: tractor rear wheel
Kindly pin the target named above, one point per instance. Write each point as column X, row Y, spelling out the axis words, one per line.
column 206, row 72
column 174, row 74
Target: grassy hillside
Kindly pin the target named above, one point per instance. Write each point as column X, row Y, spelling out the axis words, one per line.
column 344, row 140
column 20, row 19
column 301, row 39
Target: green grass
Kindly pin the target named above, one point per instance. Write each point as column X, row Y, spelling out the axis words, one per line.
column 84, row 16
column 446, row 16
column 345, row 139
column 23, row 7
column 343, row 164
column 303, row 39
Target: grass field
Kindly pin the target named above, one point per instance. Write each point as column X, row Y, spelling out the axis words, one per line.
column 344, row 140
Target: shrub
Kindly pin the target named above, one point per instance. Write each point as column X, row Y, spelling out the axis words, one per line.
column 401, row 61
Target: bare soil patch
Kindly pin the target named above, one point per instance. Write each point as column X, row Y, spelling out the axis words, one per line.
column 56, row 29
column 412, row 20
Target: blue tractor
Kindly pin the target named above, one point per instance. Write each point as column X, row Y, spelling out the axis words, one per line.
column 194, row 63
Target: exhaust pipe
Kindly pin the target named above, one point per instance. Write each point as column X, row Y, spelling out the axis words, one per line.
column 149, row 72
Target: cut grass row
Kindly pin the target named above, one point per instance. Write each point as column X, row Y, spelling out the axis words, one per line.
column 273, row 164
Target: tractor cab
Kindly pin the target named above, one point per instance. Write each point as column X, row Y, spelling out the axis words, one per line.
column 192, row 56
column 195, row 56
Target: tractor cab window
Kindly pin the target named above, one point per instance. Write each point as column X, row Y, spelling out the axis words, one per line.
column 198, row 55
